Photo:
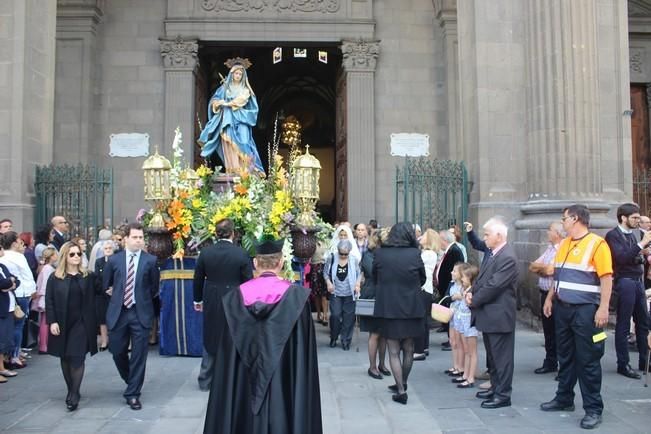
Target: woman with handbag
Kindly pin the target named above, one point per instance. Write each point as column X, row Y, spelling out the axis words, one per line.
column 70, row 311
column 8, row 283
column 49, row 257
column 398, row 275
column 377, row 345
column 430, row 244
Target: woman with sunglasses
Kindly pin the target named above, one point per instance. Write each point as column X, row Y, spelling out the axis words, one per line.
column 70, row 312
column 343, row 279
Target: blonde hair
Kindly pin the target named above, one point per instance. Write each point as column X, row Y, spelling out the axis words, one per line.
column 61, row 271
column 431, row 240
column 269, row 261
column 47, row 254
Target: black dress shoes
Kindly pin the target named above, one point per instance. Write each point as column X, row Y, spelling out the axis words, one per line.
column 345, row 347
column 372, row 374
column 545, row 369
column 496, row 403
column 384, row 371
column 333, row 343
column 590, row 421
column 485, row 394
column 627, row 371
column 134, row 403
column 555, row 405
column 419, row 357
column 400, row 397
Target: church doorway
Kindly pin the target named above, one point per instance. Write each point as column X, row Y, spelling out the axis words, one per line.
column 302, row 84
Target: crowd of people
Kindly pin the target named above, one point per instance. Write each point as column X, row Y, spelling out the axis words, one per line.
column 400, row 270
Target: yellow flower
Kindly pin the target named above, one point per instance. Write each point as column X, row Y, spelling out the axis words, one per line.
column 197, row 203
column 203, row 171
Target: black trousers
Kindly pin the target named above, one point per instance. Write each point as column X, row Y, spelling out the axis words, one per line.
column 578, row 356
column 500, row 349
column 551, row 360
column 131, row 368
column 631, row 303
column 421, row 343
column 342, row 317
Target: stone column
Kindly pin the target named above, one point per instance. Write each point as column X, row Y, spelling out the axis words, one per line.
column 179, row 60
column 76, row 43
column 562, row 109
column 359, row 61
column 27, row 35
column 446, row 14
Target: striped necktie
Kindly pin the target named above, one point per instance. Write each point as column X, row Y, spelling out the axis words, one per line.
column 131, row 282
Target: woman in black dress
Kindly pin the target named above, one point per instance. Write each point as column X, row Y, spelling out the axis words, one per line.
column 102, row 299
column 377, row 345
column 398, row 275
column 70, row 312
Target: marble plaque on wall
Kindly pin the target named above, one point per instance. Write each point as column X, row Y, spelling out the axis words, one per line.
column 129, row 145
column 409, row 145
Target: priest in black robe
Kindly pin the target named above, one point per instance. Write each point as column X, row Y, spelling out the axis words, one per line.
column 266, row 376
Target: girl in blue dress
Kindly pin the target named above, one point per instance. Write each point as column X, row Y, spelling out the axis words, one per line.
column 455, row 337
column 468, row 333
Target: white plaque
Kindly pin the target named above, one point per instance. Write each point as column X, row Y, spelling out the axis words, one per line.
column 129, row 145
column 409, row 145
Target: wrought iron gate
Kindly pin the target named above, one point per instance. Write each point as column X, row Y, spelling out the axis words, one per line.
column 82, row 194
column 431, row 193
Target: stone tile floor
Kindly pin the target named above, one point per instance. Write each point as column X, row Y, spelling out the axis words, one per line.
column 352, row 402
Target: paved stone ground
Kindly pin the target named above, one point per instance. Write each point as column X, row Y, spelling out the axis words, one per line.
column 352, row 402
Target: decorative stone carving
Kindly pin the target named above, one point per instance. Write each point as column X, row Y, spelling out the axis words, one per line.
column 636, row 62
column 179, row 53
column 323, row 6
column 360, row 54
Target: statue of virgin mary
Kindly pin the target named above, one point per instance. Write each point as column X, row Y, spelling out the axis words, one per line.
column 232, row 114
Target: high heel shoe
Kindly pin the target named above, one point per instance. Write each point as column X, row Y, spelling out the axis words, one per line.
column 400, row 397
column 394, row 388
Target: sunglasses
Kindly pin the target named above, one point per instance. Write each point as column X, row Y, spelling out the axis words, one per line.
column 343, row 254
column 73, row 254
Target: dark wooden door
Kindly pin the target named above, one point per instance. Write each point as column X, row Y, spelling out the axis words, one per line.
column 201, row 111
column 341, row 158
column 641, row 153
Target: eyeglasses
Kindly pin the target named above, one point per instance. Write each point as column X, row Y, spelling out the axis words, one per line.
column 567, row 217
column 73, row 254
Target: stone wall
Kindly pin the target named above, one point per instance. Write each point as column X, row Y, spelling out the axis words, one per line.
column 409, row 88
column 27, row 29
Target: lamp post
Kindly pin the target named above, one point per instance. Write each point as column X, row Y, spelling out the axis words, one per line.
column 156, row 170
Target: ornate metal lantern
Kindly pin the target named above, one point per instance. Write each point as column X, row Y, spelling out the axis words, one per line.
column 305, row 186
column 156, row 170
column 157, row 177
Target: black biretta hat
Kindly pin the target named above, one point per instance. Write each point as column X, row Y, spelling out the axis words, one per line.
column 268, row 247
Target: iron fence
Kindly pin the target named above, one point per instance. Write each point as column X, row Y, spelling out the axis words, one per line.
column 82, row 194
column 642, row 189
column 431, row 193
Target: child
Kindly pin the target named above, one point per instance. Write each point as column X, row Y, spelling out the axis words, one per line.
column 468, row 333
column 456, row 295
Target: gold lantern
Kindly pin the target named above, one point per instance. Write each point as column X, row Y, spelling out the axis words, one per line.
column 305, row 186
column 157, row 169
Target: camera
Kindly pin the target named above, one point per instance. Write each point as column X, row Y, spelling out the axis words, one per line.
column 639, row 260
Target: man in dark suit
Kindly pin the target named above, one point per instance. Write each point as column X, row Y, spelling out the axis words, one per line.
column 61, row 228
column 492, row 303
column 132, row 277
column 443, row 273
column 629, row 257
column 220, row 268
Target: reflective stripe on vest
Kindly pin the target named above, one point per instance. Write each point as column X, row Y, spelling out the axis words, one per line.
column 579, row 283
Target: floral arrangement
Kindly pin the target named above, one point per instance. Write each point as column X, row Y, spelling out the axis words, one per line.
column 260, row 207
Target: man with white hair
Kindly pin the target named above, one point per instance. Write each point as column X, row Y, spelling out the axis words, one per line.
column 544, row 268
column 492, row 303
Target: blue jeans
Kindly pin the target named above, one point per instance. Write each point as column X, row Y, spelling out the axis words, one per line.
column 19, row 325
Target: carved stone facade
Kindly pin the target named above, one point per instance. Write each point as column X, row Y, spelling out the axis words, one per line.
column 360, row 55
column 279, row 6
column 179, row 53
